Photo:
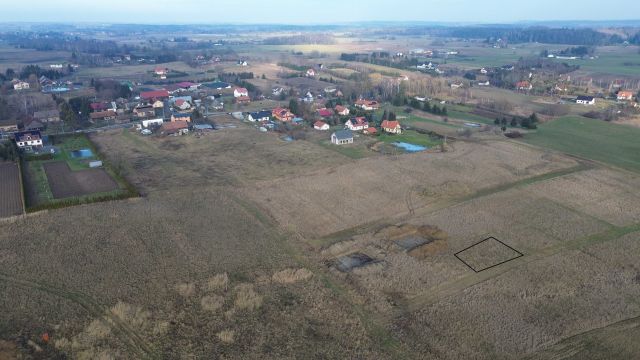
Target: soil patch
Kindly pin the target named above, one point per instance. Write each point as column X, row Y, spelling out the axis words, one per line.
column 65, row 183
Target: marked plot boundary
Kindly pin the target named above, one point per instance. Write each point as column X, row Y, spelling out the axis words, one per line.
column 492, row 266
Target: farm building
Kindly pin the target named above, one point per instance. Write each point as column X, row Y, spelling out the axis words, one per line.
column 47, row 116
column 342, row 137
column 357, row 124
column 370, row 131
column 321, row 125
column 28, row 140
column 585, row 100
column 144, row 112
column 243, row 100
column 175, row 128
column 103, row 115
column 8, row 125
column 151, row 122
column 524, row 85
column 391, row 127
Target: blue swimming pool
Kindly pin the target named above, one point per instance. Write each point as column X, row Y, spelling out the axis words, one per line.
column 82, row 153
column 410, row 147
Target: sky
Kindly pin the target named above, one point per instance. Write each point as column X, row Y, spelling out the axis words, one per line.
column 313, row 11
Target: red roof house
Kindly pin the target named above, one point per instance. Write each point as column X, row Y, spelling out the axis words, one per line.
column 325, row 112
column 155, row 95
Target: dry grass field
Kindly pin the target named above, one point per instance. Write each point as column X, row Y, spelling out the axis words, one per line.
column 342, row 197
column 232, row 252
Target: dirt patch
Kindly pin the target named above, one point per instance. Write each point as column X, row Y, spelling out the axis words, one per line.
column 65, row 183
column 289, row 276
column 8, row 350
column 10, row 193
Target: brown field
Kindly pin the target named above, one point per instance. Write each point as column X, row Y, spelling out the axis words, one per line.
column 337, row 198
column 66, row 183
column 238, row 233
column 10, row 190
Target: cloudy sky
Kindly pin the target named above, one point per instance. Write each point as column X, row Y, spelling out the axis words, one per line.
column 312, row 11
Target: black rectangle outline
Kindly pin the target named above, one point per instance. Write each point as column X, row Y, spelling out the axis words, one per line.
column 487, row 268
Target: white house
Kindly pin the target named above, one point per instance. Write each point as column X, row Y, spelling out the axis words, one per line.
column 28, row 140
column 357, row 124
column 20, row 85
column 321, row 125
column 311, row 73
column 586, row 100
column 150, row 122
column 486, row 83
column 342, row 137
column 238, row 92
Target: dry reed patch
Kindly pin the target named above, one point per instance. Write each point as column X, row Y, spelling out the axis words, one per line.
column 429, row 249
column 247, row 298
column 290, row 276
column 212, row 303
column 217, row 282
column 98, row 329
column 226, row 336
column 135, row 316
column 186, row 290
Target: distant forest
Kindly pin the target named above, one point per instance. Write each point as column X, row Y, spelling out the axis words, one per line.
column 514, row 35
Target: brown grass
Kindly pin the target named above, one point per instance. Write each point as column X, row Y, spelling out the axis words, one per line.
column 247, row 298
column 290, row 276
column 186, row 290
column 217, row 282
column 226, row 336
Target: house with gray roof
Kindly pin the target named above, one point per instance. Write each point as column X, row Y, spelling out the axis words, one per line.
column 341, row 137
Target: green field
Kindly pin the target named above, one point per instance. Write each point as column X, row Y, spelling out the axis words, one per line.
column 614, row 144
column 412, row 137
column 614, row 64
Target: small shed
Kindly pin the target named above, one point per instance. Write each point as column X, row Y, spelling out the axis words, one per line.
column 95, row 164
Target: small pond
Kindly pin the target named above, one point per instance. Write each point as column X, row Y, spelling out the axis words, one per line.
column 411, row 148
column 82, row 153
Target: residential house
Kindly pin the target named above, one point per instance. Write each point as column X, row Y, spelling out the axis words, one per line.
column 342, row 110
column 391, row 127
column 162, row 72
column 180, row 117
column 282, row 114
column 107, row 115
column 428, row 66
column 182, row 104
column 154, row 95
column 99, row 106
column 242, row 63
column 260, row 116
column 624, row 95
column 456, row 85
column 158, row 104
column 175, row 128
column 367, row 105
column 28, row 140
column 342, row 137
column 483, row 71
column 243, row 100
column 321, row 125
column 357, row 124
column 144, row 112
column 238, row 92
column 325, row 113
column 47, row 116
column 310, row 73
column 485, row 83
column 19, row 85
column 33, row 124
column 585, row 100
column 524, row 85
column 277, row 91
